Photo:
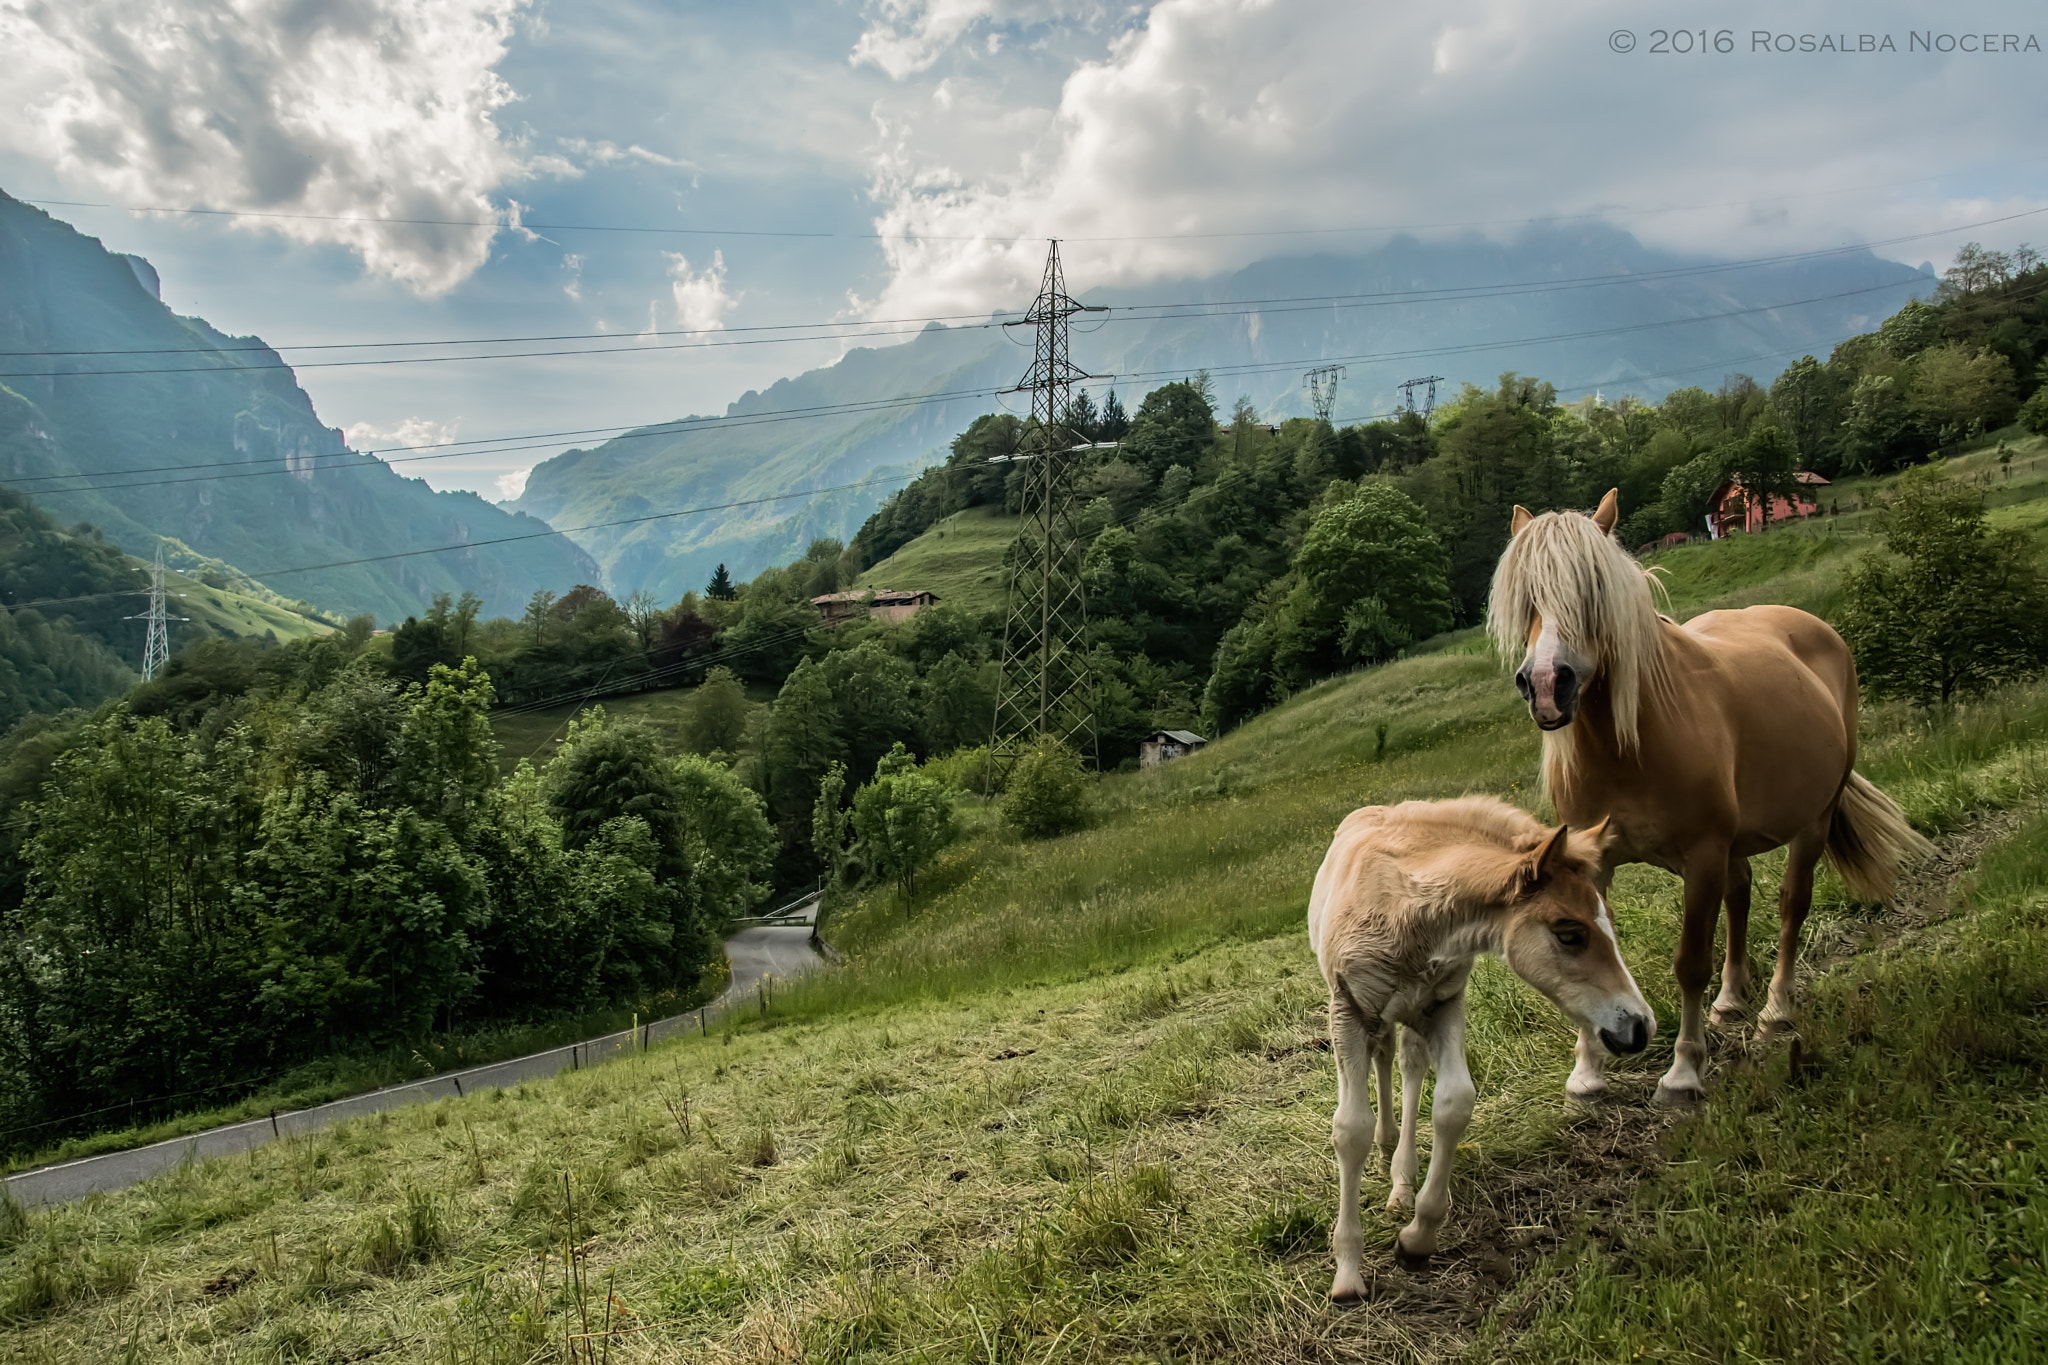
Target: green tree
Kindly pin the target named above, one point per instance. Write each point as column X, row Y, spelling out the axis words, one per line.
column 605, row 770
column 720, row 588
column 447, row 752
column 872, row 690
column 803, row 741
column 1176, row 424
column 1372, row 563
column 1877, row 425
column 1952, row 606
column 1955, row 391
column 959, row 704
column 904, row 820
column 726, row 837
column 715, row 716
column 1807, row 404
column 831, row 829
column 1047, row 792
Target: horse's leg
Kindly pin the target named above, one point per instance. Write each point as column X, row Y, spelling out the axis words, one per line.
column 1387, row 1133
column 1414, row 1070
column 1795, row 898
column 1694, row 967
column 1732, row 1003
column 1351, row 1134
column 1448, row 1116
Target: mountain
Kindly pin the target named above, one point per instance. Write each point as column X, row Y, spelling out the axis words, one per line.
column 1661, row 322
column 267, row 487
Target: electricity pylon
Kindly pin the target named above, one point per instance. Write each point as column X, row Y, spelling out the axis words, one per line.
column 1408, row 393
column 156, row 644
column 1045, row 688
column 1322, row 389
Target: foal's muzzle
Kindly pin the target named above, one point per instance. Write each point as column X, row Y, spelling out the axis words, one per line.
column 1635, row 1040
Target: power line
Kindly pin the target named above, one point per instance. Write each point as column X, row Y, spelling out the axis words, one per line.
column 841, row 330
column 353, row 459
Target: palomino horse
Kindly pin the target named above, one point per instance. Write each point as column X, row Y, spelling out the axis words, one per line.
column 1700, row 746
column 1407, row 897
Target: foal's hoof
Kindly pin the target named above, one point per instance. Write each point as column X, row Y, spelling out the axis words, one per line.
column 1586, row 1092
column 1401, row 1202
column 1677, row 1097
column 1727, row 1015
column 1778, row 1027
column 1346, row 1299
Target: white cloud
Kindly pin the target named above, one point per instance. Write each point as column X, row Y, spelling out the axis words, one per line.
column 1222, row 131
column 608, row 153
column 512, row 484
column 355, row 109
column 904, row 37
column 701, row 298
column 406, row 436
column 572, row 266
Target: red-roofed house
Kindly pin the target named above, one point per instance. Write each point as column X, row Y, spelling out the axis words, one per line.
column 1733, row 509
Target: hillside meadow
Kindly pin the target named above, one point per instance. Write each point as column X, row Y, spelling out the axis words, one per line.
column 1072, row 1105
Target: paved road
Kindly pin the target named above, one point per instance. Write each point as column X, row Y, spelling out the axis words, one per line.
column 780, row 951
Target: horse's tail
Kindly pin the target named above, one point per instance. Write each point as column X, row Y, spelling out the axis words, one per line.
column 1869, row 839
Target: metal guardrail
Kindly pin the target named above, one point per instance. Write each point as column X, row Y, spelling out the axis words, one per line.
column 69, row 1180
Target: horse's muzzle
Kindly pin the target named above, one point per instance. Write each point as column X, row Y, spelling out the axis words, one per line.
column 1635, row 1040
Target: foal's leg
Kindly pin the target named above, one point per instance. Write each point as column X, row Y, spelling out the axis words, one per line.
column 1448, row 1117
column 1387, row 1133
column 1351, row 1134
column 1705, row 878
column 1731, row 1004
column 1795, row 898
column 1414, row 1070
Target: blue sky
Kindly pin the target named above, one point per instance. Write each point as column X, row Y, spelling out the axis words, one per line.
column 1165, row 141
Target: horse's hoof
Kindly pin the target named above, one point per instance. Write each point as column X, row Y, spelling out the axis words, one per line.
column 1588, row 1093
column 1401, row 1203
column 1346, row 1299
column 1774, row 1029
column 1409, row 1260
column 1676, row 1097
column 1728, row 1015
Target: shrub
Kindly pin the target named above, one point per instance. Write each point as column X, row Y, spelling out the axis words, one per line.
column 1953, row 607
column 1047, row 793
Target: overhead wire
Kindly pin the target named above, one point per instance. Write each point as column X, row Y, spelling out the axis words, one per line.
column 857, row 329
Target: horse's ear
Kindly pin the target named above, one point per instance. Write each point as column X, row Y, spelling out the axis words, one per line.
column 1545, row 859
column 1520, row 519
column 1609, row 510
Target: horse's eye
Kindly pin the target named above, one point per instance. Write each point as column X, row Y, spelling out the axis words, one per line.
column 1569, row 936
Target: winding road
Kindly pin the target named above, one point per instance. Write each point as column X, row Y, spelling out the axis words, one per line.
column 779, row 951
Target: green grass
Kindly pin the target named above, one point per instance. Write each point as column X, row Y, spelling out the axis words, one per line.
column 236, row 614
column 960, row 559
column 536, row 735
column 1066, row 1108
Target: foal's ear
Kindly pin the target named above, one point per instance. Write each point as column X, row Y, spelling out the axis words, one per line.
column 1546, row 859
column 1609, row 510
column 1522, row 517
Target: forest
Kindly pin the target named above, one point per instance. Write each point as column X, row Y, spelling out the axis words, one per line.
column 277, row 851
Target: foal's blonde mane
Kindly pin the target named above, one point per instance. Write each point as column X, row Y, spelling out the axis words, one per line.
column 1564, row 569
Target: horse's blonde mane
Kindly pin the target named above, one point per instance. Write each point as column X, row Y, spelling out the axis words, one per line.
column 1564, row 569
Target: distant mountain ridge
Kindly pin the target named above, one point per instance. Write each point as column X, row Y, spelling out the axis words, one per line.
column 1664, row 321
column 302, row 501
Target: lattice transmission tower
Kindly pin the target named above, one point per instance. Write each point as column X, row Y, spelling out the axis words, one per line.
column 1408, row 388
column 1045, row 688
column 1322, row 389
column 156, row 644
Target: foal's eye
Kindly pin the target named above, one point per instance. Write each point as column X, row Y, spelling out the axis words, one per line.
column 1568, row 935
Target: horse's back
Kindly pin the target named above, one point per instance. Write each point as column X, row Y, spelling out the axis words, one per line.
column 1770, row 636
column 1788, row 694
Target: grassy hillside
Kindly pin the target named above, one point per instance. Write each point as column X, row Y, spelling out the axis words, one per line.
column 535, row 735
column 960, row 559
column 1071, row 1106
